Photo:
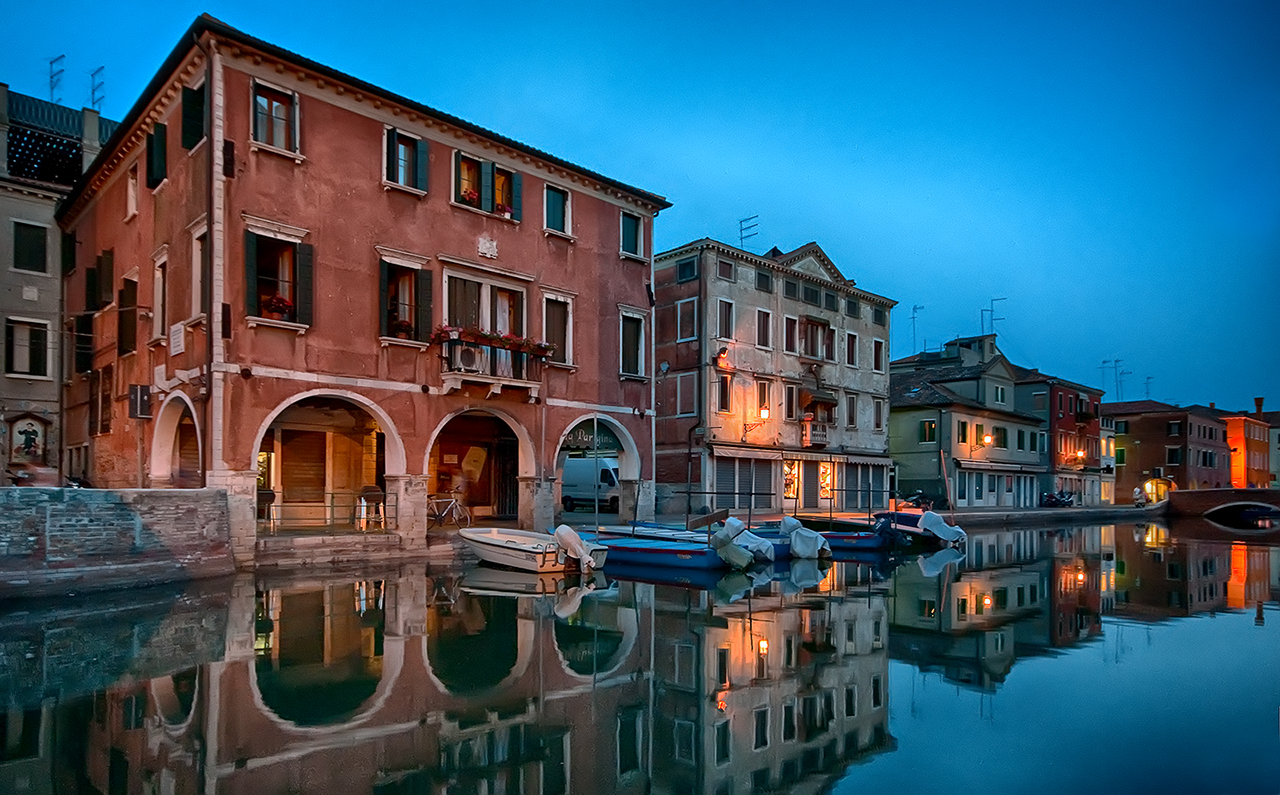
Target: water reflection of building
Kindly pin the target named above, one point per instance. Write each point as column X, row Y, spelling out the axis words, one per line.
column 1158, row 578
column 1015, row 593
column 778, row 691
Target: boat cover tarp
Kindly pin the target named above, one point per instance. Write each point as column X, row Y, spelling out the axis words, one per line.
column 760, row 549
column 737, row 557
column 935, row 524
column 573, row 545
column 932, row 565
column 805, row 543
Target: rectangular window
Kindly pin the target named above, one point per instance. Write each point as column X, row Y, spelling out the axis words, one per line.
column 830, row 301
column 29, row 248
column 812, row 336
column 682, row 659
column 632, row 339
column 877, row 697
column 686, row 394
column 762, row 728
column 928, row 431
column 1175, row 429
column 962, row 608
column 762, row 399
column 197, row 273
column 790, row 334
column 829, row 345
column 557, row 322
column 1022, row 439
column 157, row 156
column 1022, row 596
column 629, row 734
column 1001, row 437
column 999, row 394
column 724, row 329
column 764, row 280
column 683, row 740
column 851, row 349
column 1173, row 456
column 485, row 186
column 277, row 268
column 792, row 399
column 723, row 742
column 724, row 269
column 556, row 204
column 687, row 269
column 192, row 116
column 159, row 300
column 400, row 315
column 927, row 608
column 880, row 316
column 275, row 118
column 1002, row 598
column 26, row 345
column 790, row 288
column 1119, row 456
column 127, row 317
column 789, row 721
column 810, row 294
column 962, row 431
column 1122, row 426
column 725, row 404
column 722, row 667
column 687, row 320
column 877, row 355
column 851, row 411
column 879, row 414
column 764, row 328
column 105, row 391
column 131, row 193
column 406, row 162
column 631, row 243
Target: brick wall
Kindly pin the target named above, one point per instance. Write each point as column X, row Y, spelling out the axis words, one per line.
column 60, row 541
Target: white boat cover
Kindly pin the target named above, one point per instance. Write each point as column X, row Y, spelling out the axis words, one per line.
column 760, row 549
column 932, row 565
column 571, row 600
column 574, row 546
column 736, row 556
column 805, row 543
column 804, row 574
column 935, row 524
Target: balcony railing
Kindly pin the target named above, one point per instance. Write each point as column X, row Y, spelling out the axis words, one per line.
column 813, row 434
column 485, row 361
column 361, row 512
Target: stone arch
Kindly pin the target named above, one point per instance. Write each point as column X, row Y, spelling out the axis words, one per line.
column 528, row 461
column 619, row 641
column 628, row 464
column 396, row 462
column 164, row 437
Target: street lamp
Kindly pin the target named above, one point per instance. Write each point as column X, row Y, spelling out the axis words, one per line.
column 751, row 426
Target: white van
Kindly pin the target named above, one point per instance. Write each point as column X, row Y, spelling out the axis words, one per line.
column 582, row 476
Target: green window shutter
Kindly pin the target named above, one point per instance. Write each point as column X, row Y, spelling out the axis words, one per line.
column 305, row 281
column 423, row 287
column 393, row 159
column 486, row 186
column 68, row 253
column 457, row 176
column 297, row 121
column 420, row 162
column 8, row 347
column 517, row 193
column 106, row 277
column 192, row 117
column 384, row 297
column 39, row 353
column 257, row 131
column 555, row 202
column 250, row 273
column 91, row 287
column 84, row 343
column 156, row 156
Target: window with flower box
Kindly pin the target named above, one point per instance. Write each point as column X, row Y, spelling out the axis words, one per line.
column 278, row 274
column 485, row 186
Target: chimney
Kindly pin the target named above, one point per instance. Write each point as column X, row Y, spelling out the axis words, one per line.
column 1257, row 407
column 1212, row 405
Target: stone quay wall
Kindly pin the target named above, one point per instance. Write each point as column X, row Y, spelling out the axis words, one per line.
column 57, row 541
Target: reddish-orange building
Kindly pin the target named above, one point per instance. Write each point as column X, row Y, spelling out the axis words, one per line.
column 1249, row 438
column 311, row 291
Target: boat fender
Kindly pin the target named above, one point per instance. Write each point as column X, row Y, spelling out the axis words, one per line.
column 574, row 546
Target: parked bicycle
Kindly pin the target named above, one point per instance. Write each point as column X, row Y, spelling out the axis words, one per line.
column 447, row 508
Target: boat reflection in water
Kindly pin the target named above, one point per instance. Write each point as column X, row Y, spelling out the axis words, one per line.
column 477, row 680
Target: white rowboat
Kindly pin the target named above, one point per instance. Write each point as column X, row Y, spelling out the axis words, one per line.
column 525, row 550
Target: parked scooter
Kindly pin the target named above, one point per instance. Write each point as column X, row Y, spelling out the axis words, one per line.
column 1058, row 499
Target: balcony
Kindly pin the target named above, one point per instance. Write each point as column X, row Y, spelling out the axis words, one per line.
column 490, row 364
column 813, row 434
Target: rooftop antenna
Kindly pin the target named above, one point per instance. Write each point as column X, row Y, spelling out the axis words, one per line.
column 992, row 310
column 55, row 77
column 1120, row 374
column 96, row 85
column 1147, row 383
column 914, row 310
column 1103, row 367
column 745, row 225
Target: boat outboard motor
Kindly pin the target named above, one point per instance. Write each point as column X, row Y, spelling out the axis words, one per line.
column 885, row 528
column 572, row 545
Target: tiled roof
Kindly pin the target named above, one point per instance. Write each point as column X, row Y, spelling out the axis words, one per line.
column 1138, row 407
column 917, row 388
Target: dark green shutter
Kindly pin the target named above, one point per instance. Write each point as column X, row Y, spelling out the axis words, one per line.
column 68, row 252
column 305, row 281
column 106, row 277
column 192, row 117
column 39, row 353
column 8, row 347
column 517, row 194
column 84, row 343
column 420, row 163
column 127, row 318
column 250, row 273
column 257, row 130
column 295, row 101
column 457, row 176
column 156, row 156
column 384, row 298
column 422, row 327
column 393, row 159
column 486, row 186
column 91, row 287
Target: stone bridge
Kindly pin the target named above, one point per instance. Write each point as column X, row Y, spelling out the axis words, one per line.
column 1198, row 502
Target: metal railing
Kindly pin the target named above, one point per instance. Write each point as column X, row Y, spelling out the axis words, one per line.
column 356, row 512
column 490, row 361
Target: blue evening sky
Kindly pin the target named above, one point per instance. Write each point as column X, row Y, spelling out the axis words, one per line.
column 1112, row 167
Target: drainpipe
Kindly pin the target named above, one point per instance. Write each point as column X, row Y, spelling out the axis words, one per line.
column 700, row 391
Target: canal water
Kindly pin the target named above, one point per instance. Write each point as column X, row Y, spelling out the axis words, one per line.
column 1127, row 658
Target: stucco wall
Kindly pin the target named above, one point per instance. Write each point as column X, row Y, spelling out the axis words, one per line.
column 58, row 541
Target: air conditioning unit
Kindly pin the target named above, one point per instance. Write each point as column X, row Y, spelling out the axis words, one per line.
column 468, row 359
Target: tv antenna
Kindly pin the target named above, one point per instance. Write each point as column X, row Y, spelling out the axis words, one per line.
column 55, row 77
column 914, row 310
column 1103, row 368
column 1147, row 383
column 1120, row 374
column 96, row 85
column 982, row 314
column 745, row 225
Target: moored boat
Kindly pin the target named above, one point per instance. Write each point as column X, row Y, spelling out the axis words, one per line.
column 647, row 551
column 529, row 551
